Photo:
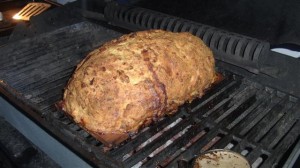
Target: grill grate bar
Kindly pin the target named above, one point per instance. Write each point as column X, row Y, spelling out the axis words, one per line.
column 247, row 118
column 23, row 49
column 40, row 90
column 142, row 137
column 40, row 80
column 196, row 148
column 283, row 144
column 255, row 117
column 35, row 58
column 144, row 152
column 22, row 58
column 259, row 161
column 215, row 99
column 52, row 100
column 271, row 124
column 211, row 94
column 246, row 113
column 243, row 110
column 227, row 142
column 281, row 128
column 50, row 65
column 253, row 155
column 239, row 105
column 218, row 101
column 162, row 148
column 229, row 113
column 244, row 147
column 267, row 121
column 180, row 145
column 20, row 68
column 53, row 79
column 225, row 102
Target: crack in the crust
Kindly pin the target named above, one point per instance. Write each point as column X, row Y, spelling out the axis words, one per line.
column 157, row 83
column 160, row 84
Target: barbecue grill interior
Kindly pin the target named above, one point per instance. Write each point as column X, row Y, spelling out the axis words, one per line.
column 252, row 111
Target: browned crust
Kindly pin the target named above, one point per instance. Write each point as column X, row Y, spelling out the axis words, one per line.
column 160, row 87
column 136, row 79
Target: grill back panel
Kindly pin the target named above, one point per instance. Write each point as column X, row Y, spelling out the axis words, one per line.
column 259, row 122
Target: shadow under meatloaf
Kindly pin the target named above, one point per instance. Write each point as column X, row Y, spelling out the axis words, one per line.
column 136, row 79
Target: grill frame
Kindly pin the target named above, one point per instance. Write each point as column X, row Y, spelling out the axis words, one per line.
column 80, row 142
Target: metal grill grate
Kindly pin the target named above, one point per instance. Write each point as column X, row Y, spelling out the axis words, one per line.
column 237, row 114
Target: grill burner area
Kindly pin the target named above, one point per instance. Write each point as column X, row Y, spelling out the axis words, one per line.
column 238, row 114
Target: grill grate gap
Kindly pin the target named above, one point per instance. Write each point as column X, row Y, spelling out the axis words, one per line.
column 180, row 145
column 259, row 161
column 269, row 129
column 146, row 150
column 267, row 121
column 256, row 116
column 52, row 80
column 165, row 145
column 224, row 103
column 157, row 135
column 215, row 99
column 212, row 142
column 195, row 149
column 242, row 116
column 275, row 141
column 212, row 93
column 246, row 151
column 238, row 107
column 231, row 144
column 143, row 136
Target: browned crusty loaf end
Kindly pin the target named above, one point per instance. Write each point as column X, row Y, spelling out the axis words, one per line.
column 136, row 79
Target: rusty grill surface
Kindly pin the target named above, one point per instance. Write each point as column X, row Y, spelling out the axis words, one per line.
column 258, row 122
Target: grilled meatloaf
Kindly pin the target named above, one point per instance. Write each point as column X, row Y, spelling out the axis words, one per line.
column 136, row 79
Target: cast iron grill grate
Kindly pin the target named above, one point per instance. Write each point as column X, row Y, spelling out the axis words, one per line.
column 237, row 114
